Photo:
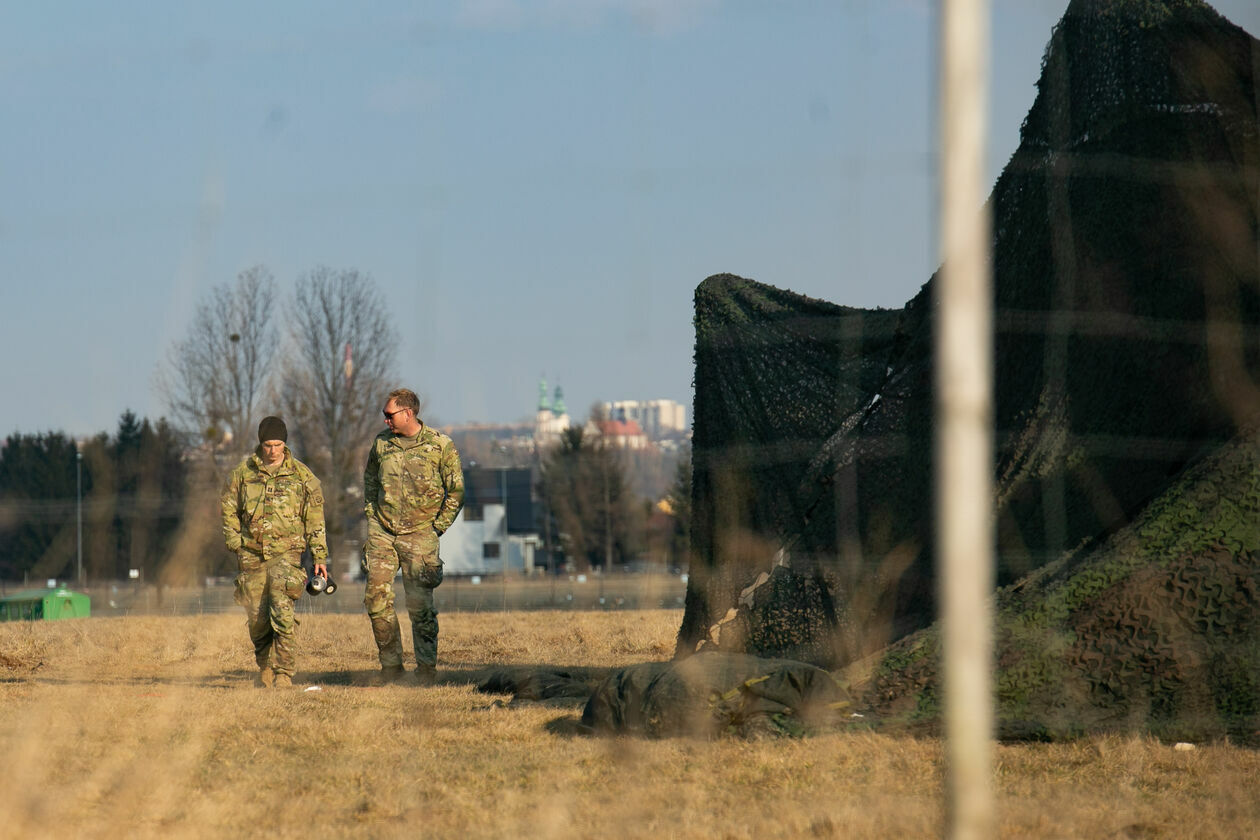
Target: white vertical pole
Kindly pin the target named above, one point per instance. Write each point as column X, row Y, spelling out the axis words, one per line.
column 78, row 477
column 964, row 418
column 503, row 536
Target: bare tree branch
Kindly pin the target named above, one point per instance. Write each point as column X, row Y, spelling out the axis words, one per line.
column 333, row 381
column 211, row 381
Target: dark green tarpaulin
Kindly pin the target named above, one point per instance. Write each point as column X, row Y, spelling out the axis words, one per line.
column 714, row 693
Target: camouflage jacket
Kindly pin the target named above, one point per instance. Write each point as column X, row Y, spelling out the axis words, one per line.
column 274, row 513
column 412, row 483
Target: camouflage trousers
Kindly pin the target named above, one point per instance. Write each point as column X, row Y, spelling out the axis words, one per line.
column 267, row 592
column 417, row 555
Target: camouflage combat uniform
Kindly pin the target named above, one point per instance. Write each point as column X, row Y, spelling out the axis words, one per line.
column 269, row 517
column 413, row 487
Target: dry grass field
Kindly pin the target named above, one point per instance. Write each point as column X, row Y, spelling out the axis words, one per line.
column 150, row 727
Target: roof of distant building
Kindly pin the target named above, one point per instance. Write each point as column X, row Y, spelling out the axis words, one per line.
column 620, row 428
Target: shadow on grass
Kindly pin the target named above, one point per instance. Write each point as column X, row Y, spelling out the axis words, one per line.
column 510, row 677
column 490, row 679
column 564, row 689
column 229, row 679
column 225, row 680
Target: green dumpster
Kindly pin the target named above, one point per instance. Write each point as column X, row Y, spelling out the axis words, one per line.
column 44, row 605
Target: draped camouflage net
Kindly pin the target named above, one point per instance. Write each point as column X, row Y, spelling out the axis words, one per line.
column 1127, row 300
column 1159, row 629
column 779, row 379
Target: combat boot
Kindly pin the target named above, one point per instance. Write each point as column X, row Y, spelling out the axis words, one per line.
column 426, row 675
column 284, row 681
column 389, row 674
column 266, row 677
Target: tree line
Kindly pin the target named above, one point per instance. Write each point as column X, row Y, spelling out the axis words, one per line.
column 144, row 498
column 108, row 505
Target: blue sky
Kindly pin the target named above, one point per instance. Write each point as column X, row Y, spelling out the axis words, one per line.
column 536, row 186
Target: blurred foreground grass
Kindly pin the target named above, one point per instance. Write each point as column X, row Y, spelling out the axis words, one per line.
column 149, row 727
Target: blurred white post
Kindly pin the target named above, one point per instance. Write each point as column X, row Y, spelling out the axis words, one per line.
column 503, row 536
column 964, row 418
column 78, row 478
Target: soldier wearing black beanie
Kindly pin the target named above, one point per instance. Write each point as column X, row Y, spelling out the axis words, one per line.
column 273, row 510
column 272, row 428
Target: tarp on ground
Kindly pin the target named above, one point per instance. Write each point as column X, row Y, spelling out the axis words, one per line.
column 717, row 693
column 535, row 685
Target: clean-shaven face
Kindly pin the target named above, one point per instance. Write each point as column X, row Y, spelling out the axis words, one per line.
column 272, row 452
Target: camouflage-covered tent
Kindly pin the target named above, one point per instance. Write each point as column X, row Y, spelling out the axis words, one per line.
column 1126, row 255
column 1127, row 301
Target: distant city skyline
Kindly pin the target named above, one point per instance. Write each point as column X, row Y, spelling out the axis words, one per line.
column 536, row 186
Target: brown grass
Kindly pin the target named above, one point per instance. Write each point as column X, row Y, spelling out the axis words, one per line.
column 149, row 727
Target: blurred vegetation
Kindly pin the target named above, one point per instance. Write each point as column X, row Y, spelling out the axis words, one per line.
column 134, row 493
column 596, row 518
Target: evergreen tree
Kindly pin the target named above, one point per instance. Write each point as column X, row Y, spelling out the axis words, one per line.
column 37, row 503
column 132, row 501
column 585, row 485
column 679, row 499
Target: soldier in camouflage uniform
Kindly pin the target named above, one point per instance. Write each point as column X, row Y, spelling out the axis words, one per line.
column 413, row 487
column 273, row 508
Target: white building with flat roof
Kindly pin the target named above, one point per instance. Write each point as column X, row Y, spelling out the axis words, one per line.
column 496, row 530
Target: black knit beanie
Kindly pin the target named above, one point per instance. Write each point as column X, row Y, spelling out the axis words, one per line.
column 272, row 428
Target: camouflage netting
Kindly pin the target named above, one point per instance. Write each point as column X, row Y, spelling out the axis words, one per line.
column 1127, row 295
column 1157, row 630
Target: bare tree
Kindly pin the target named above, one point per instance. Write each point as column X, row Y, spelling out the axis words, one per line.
column 212, row 380
column 333, row 383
